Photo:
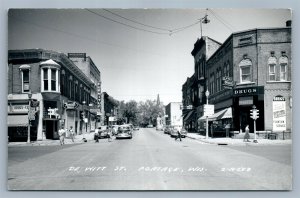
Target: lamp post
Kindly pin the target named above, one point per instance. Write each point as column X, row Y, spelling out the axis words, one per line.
column 207, row 94
column 29, row 114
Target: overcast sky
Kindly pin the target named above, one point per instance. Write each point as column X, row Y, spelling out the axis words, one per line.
column 136, row 61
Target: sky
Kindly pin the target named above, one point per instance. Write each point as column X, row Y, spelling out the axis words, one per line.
column 137, row 56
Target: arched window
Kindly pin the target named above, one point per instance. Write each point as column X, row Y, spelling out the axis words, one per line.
column 272, row 62
column 283, row 62
column 245, row 71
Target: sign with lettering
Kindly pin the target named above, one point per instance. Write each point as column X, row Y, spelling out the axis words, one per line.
column 209, row 110
column 279, row 113
column 71, row 105
column 248, row 91
column 18, row 108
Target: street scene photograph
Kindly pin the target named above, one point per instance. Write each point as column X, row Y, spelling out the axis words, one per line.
column 149, row 99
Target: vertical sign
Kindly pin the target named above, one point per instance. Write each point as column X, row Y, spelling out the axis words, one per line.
column 279, row 113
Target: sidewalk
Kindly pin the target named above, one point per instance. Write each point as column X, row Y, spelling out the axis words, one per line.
column 77, row 140
column 231, row 141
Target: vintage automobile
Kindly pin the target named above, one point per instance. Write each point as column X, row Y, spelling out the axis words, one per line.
column 124, row 131
column 135, row 128
column 167, row 129
column 175, row 129
column 102, row 132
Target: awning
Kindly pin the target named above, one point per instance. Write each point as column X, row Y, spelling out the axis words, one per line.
column 223, row 114
column 17, row 120
column 189, row 116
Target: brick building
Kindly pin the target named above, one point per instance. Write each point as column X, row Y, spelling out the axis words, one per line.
column 251, row 67
column 62, row 90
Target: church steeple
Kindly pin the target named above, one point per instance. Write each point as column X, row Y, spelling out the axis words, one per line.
column 157, row 100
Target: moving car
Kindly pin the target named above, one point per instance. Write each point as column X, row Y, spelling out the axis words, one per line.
column 124, row 131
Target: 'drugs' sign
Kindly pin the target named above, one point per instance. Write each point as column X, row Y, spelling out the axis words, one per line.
column 279, row 113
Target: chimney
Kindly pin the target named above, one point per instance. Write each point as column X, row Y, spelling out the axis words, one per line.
column 288, row 23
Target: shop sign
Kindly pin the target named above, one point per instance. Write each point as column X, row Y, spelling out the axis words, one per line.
column 227, row 82
column 71, row 105
column 18, row 108
column 279, row 113
column 209, row 110
column 248, row 91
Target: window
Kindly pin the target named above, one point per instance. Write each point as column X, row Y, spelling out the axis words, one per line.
column 272, row 72
column 25, row 77
column 283, row 62
column 282, row 72
column 45, row 79
column 53, row 79
column 272, row 62
column 49, row 76
column 245, row 71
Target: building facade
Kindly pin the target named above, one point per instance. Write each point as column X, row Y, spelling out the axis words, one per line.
column 173, row 113
column 251, row 68
column 61, row 90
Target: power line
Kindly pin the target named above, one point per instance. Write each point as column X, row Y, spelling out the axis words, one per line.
column 136, row 21
column 170, row 31
column 222, row 21
column 127, row 25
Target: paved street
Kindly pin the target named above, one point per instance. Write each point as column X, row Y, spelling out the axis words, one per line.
column 150, row 160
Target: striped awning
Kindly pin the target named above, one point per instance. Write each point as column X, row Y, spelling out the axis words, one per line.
column 17, row 120
column 223, row 114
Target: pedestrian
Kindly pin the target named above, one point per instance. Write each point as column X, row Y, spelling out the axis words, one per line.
column 109, row 134
column 178, row 134
column 247, row 136
column 62, row 134
column 72, row 133
column 227, row 128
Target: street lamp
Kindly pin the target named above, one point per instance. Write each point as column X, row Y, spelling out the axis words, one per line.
column 203, row 20
column 207, row 94
column 29, row 114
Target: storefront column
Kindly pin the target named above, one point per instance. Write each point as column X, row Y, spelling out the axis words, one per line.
column 40, row 135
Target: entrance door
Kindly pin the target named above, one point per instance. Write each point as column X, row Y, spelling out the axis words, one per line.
column 51, row 129
column 245, row 118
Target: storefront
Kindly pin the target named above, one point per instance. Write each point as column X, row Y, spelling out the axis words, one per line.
column 243, row 101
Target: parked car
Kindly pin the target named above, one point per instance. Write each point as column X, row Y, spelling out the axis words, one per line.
column 149, row 126
column 124, row 131
column 115, row 129
column 102, row 132
column 167, row 129
column 135, row 128
column 175, row 129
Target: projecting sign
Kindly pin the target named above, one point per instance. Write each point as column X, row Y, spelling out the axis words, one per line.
column 209, row 110
column 279, row 113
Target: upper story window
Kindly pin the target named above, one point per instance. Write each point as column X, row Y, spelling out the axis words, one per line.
column 245, row 71
column 25, row 75
column 272, row 62
column 49, row 76
column 283, row 62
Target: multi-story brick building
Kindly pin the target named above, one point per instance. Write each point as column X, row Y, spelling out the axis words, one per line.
column 61, row 88
column 251, row 67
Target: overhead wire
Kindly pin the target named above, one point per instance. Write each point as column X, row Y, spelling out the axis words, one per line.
column 226, row 24
column 169, row 31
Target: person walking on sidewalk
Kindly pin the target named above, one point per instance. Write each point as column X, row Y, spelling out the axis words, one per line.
column 62, row 134
column 247, row 136
column 72, row 133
